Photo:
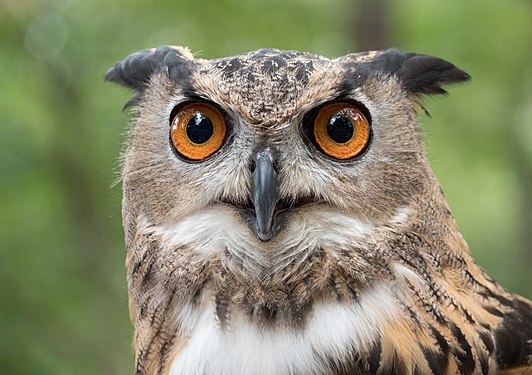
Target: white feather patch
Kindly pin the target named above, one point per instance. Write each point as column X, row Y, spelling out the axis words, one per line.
column 222, row 225
column 250, row 349
column 221, row 228
column 402, row 215
column 404, row 272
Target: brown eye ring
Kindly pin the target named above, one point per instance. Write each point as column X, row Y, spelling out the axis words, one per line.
column 341, row 130
column 197, row 130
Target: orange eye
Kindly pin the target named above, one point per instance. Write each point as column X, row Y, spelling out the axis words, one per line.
column 341, row 130
column 198, row 130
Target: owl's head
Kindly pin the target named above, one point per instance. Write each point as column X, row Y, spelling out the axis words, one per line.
column 272, row 143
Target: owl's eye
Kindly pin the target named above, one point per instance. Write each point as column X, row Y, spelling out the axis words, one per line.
column 198, row 130
column 341, row 130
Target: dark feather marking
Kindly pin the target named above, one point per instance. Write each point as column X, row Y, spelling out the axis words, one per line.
column 438, row 360
column 170, row 280
column 165, row 348
column 513, row 347
column 156, row 335
column 494, row 311
column 374, row 358
column 231, row 66
column 468, row 316
column 353, row 365
column 148, row 273
column 354, row 77
column 139, row 367
column 464, row 356
column 442, row 342
column 221, row 307
column 152, row 247
column 144, row 308
column 487, row 293
column 487, row 340
column 301, row 72
column 353, row 292
column 506, row 302
column 397, row 366
column 484, row 367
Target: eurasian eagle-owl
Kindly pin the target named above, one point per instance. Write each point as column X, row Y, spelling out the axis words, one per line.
column 281, row 218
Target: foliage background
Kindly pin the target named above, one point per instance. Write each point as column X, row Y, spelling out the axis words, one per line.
column 63, row 304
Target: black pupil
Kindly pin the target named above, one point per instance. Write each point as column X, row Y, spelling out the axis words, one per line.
column 199, row 128
column 340, row 129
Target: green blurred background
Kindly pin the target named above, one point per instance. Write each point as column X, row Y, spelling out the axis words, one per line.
column 63, row 304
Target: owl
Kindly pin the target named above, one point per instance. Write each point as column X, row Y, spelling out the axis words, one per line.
column 281, row 218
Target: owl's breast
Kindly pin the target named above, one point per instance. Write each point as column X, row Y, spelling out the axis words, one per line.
column 333, row 333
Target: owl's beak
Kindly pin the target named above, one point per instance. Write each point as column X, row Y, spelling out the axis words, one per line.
column 264, row 194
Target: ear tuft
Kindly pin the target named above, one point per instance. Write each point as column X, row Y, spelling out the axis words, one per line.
column 419, row 74
column 423, row 74
column 135, row 71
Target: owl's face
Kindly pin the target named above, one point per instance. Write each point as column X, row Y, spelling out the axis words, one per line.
column 275, row 149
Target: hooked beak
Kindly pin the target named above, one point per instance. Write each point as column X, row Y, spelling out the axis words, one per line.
column 264, row 194
column 265, row 209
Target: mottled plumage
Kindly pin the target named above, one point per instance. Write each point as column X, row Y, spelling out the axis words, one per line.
column 362, row 269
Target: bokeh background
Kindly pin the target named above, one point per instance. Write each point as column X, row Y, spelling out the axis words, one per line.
column 63, row 303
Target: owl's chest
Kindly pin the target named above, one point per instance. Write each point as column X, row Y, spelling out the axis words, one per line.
column 332, row 333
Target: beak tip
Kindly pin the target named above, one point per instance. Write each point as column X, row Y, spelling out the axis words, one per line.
column 265, row 237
